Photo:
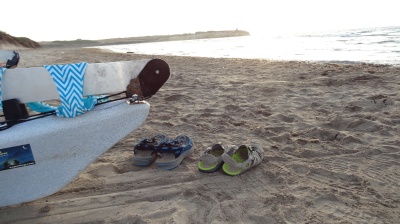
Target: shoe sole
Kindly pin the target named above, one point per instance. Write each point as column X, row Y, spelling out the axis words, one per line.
column 174, row 163
column 227, row 168
column 209, row 169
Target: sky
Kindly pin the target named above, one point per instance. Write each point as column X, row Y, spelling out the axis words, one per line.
column 46, row 20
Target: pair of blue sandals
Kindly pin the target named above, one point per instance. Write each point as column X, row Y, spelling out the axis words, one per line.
column 167, row 154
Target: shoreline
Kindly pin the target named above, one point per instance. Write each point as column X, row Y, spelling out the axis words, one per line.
column 134, row 56
column 329, row 133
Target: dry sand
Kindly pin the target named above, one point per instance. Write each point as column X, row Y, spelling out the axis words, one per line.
column 330, row 134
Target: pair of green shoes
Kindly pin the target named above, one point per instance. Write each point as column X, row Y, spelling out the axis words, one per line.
column 233, row 159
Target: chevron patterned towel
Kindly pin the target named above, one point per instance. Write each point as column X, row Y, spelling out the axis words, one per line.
column 2, row 70
column 69, row 82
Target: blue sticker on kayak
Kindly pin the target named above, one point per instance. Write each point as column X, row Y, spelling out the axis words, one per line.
column 15, row 157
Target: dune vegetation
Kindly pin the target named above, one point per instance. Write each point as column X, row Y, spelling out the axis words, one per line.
column 6, row 39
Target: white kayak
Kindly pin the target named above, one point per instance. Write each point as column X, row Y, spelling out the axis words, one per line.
column 41, row 156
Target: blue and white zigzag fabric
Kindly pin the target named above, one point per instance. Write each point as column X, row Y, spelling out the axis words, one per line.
column 69, row 82
column 2, row 70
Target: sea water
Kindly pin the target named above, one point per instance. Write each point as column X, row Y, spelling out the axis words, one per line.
column 370, row 45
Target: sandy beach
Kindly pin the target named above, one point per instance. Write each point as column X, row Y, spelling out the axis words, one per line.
column 330, row 134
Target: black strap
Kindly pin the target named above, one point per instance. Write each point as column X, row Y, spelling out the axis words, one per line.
column 16, row 113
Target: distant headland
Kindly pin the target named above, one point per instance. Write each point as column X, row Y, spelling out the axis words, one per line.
column 10, row 42
column 146, row 39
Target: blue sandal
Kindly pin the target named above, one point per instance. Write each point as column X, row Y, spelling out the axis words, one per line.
column 170, row 154
column 144, row 151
